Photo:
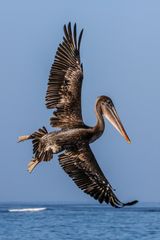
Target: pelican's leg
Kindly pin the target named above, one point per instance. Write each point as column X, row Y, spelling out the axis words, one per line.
column 32, row 164
column 23, row 138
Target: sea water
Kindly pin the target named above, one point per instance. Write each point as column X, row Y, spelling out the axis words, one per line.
column 79, row 222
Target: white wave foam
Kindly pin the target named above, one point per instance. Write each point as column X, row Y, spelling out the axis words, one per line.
column 27, row 209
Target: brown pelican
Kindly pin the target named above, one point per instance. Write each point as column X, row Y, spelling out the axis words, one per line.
column 74, row 137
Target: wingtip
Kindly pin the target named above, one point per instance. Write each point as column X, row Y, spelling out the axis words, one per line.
column 65, row 29
column 80, row 38
column 81, row 33
column 64, row 26
column 131, row 203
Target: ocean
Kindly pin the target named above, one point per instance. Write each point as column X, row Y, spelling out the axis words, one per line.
column 79, row 221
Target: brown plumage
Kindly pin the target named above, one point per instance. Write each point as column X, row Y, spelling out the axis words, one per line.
column 65, row 83
column 73, row 137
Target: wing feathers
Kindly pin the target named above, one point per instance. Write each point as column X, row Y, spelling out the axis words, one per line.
column 82, row 167
column 65, row 82
column 79, row 40
column 75, row 35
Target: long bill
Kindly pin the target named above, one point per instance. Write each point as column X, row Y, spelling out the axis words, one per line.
column 111, row 114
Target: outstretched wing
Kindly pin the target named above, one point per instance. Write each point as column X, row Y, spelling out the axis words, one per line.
column 65, row 82
column 82, row 167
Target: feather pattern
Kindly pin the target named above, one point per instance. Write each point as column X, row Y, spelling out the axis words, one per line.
column 65, row 82
column 81, row 165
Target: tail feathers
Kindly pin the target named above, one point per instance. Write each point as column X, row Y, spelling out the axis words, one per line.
column 40, row 133
column 38, row 145
column 32, row 164
column 39, row 151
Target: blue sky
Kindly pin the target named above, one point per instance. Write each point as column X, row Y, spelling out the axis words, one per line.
column 121, row 55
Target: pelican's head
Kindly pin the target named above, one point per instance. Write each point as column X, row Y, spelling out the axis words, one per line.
column 109, row 111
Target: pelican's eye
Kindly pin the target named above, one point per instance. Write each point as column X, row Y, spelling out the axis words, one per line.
column 109, row 103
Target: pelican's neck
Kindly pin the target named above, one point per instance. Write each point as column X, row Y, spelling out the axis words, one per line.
column 99, row 128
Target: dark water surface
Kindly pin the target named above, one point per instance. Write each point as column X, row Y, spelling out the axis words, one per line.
column 77, row 222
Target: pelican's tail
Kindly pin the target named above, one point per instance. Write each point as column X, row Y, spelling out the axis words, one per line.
column 40, row 154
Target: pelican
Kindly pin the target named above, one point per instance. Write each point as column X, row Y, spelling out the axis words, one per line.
column 73, row 137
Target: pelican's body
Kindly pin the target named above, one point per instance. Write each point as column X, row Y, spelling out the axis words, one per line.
column 68, row 137
column 74, row 137
column 60, row 140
